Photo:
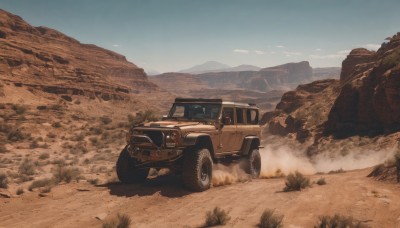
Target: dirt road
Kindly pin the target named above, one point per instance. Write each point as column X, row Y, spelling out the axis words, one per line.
column 162, row 202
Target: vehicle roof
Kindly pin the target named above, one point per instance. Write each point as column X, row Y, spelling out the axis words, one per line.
column 215, row 101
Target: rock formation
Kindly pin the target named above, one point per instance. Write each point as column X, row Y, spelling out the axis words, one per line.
column 45, row 59
column 369, row 102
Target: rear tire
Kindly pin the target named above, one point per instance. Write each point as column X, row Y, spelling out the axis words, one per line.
column 197, row 170
column 253, row 163
column 127, row 171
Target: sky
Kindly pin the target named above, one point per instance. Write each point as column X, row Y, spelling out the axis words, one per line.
column 171, row 35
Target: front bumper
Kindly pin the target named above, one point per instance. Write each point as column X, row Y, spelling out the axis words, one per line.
column 143, row 149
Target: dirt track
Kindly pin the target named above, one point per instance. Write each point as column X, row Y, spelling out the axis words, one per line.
column 162, row 202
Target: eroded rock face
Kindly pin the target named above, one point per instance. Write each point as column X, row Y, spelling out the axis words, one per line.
column 44, row 58
column 369, row 102
column 303, row 112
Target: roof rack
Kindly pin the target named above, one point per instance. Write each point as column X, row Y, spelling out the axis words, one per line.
column 179, row 99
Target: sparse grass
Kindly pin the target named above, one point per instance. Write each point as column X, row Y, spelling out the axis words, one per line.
column 44, row 156
column 15, row 134
column 94, row 181
column 321, row 181
column 56, row 125
column 41, row 183
column 336, row 171
column 27, row 167
column 216, row 217
column 3, row 180
column 121, row 221
column 34, row 144
column 96, row 130
column 296, row 182
column 338, row 221
column 3, row 149
column 105, row 119
column 141, row 117
column 51, row 135
column 78, row 137
column 67, row 174
column 20, row 191
column 19, row 109
column 78, row 148
column 270, row 220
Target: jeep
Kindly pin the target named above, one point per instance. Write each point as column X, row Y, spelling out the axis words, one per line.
column 194, row 135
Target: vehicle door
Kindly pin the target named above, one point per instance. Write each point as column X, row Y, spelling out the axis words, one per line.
column 242, row 129
column 228, row 131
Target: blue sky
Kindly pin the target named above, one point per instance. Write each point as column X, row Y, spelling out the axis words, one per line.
column 170, row 35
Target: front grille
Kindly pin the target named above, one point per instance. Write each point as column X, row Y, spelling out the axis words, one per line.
column 156, row 136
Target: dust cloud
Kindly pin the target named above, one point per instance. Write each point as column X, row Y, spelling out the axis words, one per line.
column 279, row 160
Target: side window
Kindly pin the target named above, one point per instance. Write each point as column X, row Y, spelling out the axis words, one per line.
column 252, row 116
column 239, row 116
column 228, row 112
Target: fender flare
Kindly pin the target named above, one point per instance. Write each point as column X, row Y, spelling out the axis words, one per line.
column 194, row 139
column 249, row 143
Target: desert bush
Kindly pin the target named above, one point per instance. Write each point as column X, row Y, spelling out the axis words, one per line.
column 336, row 171
column 270, row 220
column 67, row 174
column 51, row 135
column 94, row 181
column 78, row 148
column 94, row 140
column 20, row 191
column 56, row 124
column 296, row 182
column 121, row 221
column 59, row 162
column 141, row 117
column 321, row 181
column 96, row 130
column 27, row 167
column 78, row 137
column 21, row 117
column 338, row 221
column 19, row 109
column 3, row 180
column 34, row 144
column 46, row 189
column 44, row 156
column 105, row 119
column 56, row 107
column 216, row 217
column 77, row 102
column 16, row 134
column 3, row 149
column 41, row 183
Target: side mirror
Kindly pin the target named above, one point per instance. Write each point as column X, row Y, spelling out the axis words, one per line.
column 226, row 120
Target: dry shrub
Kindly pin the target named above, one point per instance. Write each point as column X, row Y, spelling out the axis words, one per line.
column 121, row 221
column 337, row 171
column 27, row 167
column 105, row 119
column 51, row 135
column 67, row 174
column 338, row 221
column 41, row 183
column 19, row 109
column 3, row 180
column 44, row 156
column 216, row 217
column 270, row 220
column 141, row 117
column 3, row 149
column 321, row 181
column 20, row 191
column 56, row 125
column 296, row 182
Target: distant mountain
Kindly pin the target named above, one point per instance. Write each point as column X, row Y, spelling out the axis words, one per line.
column 242, row 67
column 205, row 67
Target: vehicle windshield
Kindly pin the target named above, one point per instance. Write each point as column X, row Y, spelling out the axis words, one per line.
column 192, row 111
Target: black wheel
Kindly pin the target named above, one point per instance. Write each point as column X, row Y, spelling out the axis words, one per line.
column 127, row 171
column 253, row 163
column 197, row 170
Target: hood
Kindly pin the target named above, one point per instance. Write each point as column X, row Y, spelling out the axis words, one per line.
column 171, row 124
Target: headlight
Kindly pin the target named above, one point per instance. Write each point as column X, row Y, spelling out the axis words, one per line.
column 171, row 138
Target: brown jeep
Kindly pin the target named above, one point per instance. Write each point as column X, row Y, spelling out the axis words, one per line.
column 195, row 134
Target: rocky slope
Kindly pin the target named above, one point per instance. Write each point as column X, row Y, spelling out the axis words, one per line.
column 45, row 59
column 369, row 102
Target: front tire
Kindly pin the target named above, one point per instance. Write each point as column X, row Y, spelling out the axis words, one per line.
column 197, row 170
column 127, row 171
column 253, row 163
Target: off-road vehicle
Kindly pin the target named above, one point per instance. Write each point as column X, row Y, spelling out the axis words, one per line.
column 195, row 134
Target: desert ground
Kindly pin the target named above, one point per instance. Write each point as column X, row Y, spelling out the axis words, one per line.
column 162, row 202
